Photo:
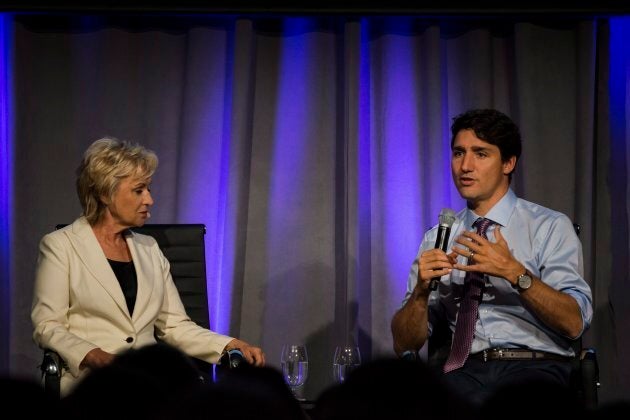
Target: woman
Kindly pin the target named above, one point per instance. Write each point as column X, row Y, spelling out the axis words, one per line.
column 101, row 289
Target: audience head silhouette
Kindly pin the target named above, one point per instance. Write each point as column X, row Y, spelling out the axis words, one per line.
column 388, row 388
column 243, row 393
column 138, row 383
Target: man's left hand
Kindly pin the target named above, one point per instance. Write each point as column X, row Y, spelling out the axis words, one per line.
column 494, row 259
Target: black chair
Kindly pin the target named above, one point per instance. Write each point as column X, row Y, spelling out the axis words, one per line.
column 585, row 375
column 184, row 247
column 585, row 372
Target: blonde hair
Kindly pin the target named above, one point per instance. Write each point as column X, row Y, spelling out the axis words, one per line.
column 105, row 163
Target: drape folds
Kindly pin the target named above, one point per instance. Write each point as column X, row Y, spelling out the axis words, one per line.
column 317, row 151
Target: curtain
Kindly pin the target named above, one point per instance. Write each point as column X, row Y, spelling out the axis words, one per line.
column 316, row 152
column 6, row 187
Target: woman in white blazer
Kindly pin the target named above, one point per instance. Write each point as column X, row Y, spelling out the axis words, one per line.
column 101, row 289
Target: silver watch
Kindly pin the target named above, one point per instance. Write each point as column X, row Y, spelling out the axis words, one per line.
column 523, row 282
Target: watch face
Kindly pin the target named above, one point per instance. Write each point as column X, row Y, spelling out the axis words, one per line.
column 524, row 282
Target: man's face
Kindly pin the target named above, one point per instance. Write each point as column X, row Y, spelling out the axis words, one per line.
column 478, row 172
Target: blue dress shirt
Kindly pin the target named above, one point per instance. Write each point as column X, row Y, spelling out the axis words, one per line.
column 545, row 242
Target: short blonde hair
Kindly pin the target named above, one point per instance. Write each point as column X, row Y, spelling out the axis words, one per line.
column 105, row 163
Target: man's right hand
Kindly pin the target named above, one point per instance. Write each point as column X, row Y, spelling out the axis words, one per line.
column 96, row 358
column 434, row 263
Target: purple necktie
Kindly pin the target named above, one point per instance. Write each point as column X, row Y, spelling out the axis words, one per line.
column 468, row 310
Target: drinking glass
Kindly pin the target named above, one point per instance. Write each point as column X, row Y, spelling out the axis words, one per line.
column 347, row 358
column 294, row 363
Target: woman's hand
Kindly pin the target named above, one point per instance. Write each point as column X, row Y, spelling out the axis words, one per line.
column 96, row 358
column 253, row 355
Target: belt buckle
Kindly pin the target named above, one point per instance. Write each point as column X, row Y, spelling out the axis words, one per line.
column 493, row 353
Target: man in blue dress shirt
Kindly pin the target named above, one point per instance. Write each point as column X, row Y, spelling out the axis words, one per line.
column 533, row 299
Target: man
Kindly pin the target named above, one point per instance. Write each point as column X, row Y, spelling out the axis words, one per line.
column 516, row 277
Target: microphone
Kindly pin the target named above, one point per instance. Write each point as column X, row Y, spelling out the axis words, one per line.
column 447, row 218
column 236, row 358
column 230, row 361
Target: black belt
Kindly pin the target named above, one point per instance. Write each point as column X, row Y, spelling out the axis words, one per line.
column 517, row 354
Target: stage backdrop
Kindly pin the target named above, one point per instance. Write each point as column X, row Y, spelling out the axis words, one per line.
column 316, row 152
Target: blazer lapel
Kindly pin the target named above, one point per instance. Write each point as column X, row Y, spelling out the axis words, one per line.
column 91, row 254
column 145, row 272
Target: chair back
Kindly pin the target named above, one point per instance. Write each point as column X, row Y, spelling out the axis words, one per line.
column 184, row 247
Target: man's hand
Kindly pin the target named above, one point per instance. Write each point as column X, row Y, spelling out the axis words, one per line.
column 434, row 263
column 253, row 355
column 490, row 258
column 96, row 358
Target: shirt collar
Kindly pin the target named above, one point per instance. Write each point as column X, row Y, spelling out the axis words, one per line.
column 500, row 213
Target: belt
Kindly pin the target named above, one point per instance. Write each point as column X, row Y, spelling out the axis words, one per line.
column 517, row 354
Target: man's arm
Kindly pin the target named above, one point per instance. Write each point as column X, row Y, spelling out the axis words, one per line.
column 558, row 310
column 410, row 323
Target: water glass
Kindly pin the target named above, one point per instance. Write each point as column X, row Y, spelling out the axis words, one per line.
column 294, row 363
column 347, row 358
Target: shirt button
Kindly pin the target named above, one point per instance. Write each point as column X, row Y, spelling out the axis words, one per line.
column 129, row 339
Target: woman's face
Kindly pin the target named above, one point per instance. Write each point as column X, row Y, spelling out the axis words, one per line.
column 130, row 204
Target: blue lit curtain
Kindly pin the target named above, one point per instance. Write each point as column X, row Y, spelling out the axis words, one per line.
column 6, row 187
column 315, row 150
column 615, row 162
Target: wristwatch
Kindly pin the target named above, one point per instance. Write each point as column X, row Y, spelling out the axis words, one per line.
column 523, row 282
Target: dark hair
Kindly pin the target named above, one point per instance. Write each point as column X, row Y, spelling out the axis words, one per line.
column 493, row 127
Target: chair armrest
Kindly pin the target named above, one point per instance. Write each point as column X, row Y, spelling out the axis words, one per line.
column 51, row 367
column 590, row 377
column 52, row 363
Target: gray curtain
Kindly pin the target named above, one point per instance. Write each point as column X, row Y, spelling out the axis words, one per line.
column 316, row 151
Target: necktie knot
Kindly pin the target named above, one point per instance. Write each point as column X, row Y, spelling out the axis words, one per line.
column 482, row 224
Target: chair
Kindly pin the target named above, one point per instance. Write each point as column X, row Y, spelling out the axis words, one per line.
column 585, row 375
column 585, row 372
column 184, row 247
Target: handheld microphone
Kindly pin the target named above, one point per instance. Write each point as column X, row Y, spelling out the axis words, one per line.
column 231, row 360
column 447, row 218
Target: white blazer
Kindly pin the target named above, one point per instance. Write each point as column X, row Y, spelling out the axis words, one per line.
column 78, row 304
